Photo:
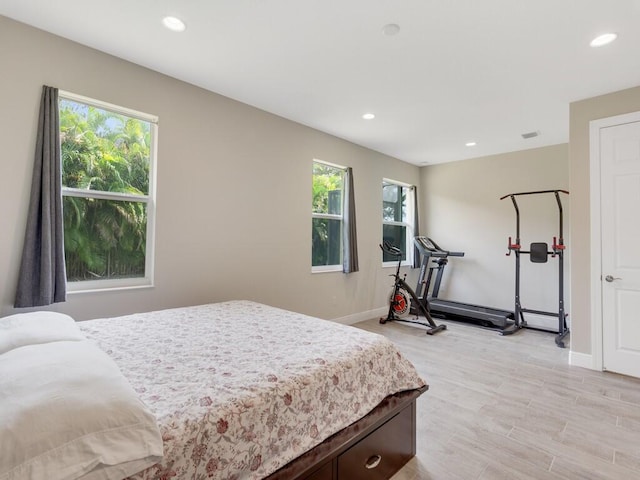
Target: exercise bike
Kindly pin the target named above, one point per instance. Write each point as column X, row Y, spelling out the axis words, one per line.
column 403, row 299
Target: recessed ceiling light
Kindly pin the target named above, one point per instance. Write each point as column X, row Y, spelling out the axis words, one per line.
column 470, row 144
column 368, row 116
column 174, row 24
column 391, row 29
column 603, row 39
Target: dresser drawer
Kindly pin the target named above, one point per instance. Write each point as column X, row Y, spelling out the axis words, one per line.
column 382, row 453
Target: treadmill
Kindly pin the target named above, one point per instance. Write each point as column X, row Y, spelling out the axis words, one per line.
column 435, row 258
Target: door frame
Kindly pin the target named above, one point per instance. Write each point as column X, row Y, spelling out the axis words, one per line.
column 597, row 354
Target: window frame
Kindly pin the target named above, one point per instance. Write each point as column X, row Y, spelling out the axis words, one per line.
column 337, row 267
column 147, row 281
column 409, row 224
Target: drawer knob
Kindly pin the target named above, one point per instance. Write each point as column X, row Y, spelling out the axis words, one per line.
column 373, row 461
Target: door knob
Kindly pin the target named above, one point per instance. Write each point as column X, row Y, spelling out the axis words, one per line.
column 610, row 279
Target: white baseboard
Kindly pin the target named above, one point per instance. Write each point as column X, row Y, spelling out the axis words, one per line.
column 583, row 360
column 362, row 316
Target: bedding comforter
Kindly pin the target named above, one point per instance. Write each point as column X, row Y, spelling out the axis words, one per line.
column 240, row 389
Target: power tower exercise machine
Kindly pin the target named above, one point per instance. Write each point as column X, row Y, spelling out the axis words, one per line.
column 539, row 253
column 435, row 258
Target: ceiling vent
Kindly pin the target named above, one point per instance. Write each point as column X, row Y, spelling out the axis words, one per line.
column 530, row 134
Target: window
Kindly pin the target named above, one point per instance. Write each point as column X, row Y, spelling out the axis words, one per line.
column 108, row 160
column 327, row 224
column 397, row 218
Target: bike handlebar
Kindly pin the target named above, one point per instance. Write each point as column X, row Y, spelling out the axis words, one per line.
column 390, row 249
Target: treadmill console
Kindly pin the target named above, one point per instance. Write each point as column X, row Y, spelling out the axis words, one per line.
column 430, row 248
column 425, row 244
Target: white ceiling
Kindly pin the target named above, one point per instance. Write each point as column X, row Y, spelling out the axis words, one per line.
column 458, row 70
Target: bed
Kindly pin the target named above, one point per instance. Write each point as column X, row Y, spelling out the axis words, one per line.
column 244, row 390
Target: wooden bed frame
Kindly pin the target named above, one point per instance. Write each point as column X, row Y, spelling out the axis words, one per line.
column 375, row 447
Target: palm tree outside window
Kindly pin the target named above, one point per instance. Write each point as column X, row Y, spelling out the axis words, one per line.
column 108, row 160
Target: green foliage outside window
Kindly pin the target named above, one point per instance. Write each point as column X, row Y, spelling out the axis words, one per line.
column 394, row 218
column 328, row 185
column 104, row 151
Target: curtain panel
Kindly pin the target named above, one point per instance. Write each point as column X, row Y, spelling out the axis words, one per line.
column 350, row 240
column 416, row 227
column 42, row 275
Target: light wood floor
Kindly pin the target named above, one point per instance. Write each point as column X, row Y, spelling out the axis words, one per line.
column 511, row 408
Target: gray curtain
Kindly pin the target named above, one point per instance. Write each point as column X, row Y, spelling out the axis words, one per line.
column 350, row 257
column 416, row 227
column 42, row 277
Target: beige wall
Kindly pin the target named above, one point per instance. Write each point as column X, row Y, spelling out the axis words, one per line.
column 582, row 112
column 234, row 188
column 214, row 152
column 462, row 212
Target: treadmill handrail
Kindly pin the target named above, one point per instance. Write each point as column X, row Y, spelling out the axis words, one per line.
column 422, row 243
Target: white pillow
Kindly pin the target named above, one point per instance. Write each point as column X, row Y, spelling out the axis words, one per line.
column 35, row 328
column 67, row 412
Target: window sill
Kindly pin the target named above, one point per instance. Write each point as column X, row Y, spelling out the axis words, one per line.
column 327, row 269
column 94, row 286
column 395, row 264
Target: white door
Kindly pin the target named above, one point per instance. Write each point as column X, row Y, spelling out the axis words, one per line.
column 620, row 222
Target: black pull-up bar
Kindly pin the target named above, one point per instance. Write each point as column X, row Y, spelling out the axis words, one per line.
column 515, row 205
column 532, row 193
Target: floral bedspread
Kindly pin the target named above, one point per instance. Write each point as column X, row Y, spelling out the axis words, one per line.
column 240, row 388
